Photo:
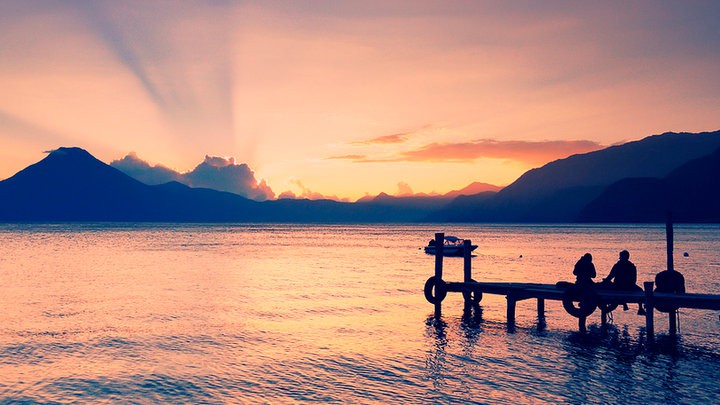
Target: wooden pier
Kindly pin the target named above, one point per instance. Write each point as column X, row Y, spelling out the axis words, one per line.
column 436, row 290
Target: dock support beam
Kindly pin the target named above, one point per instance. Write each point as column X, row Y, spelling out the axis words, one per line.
column 511, row 301
column 649, row 311
column 541, row 312
column 439, row 243
column 467, row 271
column 672, row 315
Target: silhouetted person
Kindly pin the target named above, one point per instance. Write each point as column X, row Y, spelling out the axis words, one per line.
column 584, row 271
column 623, row 277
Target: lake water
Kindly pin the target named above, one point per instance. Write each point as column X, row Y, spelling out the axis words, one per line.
column 140, row 313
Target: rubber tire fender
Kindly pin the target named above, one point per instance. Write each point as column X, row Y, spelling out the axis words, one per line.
column 473, row 296
column 440, row 290
column 586, row 298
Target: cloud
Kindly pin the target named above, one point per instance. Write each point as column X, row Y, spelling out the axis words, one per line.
column 307, row 193
column 217, row 173
column 223, row 174
column 394, row 138
column 531, row 152
column 287, row 195
column 141, row 170
column 404, row 189
column 216, row 161
column 357, row 158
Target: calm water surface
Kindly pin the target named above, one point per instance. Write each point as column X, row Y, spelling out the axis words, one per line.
column 334, row 314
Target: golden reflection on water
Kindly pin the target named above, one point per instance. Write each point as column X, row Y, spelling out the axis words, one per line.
column 290, row 312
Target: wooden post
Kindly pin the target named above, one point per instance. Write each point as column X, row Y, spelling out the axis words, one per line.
column 467, row 271
column 439, row 244
column 581, row 324
column 541, row 312
column 669, row 238
column 510, row 311
column 603, row 318
column 649, row 311
column 672, row 315
column 467, row 263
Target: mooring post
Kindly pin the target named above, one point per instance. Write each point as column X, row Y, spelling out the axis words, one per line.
column 669, row 239
column 511, row 311
column 467, row 263
column 467, row 271
column 649, row 310
column 672, row 315
column 603, row 318
column 439, row 243
column 673, row 322
column 581, row 324
column 541, row 312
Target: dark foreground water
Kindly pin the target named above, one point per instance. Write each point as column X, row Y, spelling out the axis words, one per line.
column 334, row 314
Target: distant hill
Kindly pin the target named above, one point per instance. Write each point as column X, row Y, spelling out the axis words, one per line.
column 691, row 193
column 72, row 185
column 433, row 200
column 636, row 182
column 560, row 190
column 473, row 189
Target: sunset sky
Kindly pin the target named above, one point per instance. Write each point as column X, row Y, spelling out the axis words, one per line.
column 345, row 98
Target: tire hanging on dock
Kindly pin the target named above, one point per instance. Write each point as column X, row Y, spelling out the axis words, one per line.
column 474, row 297
column 436, row 284
column 669, row 281
column 585, row 298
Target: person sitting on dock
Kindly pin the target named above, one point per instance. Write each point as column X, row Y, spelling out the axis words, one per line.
column 584, row 271
column 623, row 277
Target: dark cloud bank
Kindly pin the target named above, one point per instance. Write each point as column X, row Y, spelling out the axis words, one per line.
column 217, row 173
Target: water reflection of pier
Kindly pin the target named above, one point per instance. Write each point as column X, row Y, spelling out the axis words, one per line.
column 436, row 289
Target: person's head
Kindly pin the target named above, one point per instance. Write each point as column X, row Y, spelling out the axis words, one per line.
column 624, row 255
column 587, row 257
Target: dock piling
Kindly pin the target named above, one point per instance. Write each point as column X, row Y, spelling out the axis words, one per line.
column 467, row 271
column 467, row 260
column 439, row 242
column 672, row 315
column 511, row 301
column 541, row 313
column 541, row 310
column 649, row 310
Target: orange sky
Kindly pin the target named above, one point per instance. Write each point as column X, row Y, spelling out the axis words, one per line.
column 348, row 98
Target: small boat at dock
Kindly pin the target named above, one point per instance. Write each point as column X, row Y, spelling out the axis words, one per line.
column 453, row 246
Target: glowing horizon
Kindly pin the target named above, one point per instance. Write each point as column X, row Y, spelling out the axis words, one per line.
column 353, row 98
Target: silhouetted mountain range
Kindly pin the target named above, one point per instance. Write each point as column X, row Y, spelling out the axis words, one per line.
column 72, row 185
column 636, row 182
column 691, row 193
column 559, row 191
